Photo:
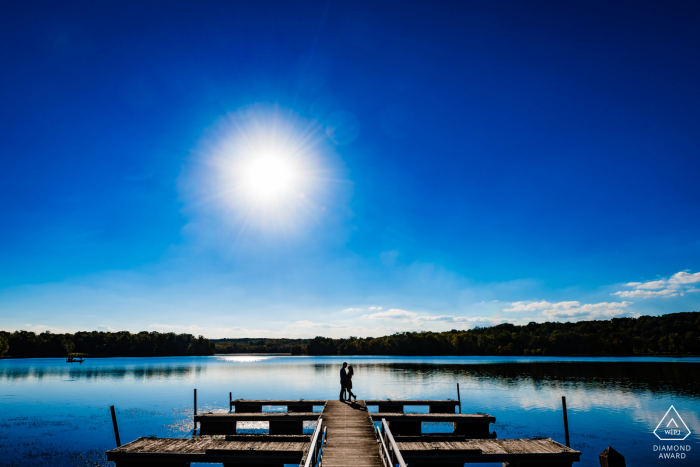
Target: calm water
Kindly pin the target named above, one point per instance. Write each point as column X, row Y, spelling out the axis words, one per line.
column 57, row 413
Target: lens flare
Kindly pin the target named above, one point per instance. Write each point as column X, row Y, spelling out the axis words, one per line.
column 263, row 170
column 269, row 176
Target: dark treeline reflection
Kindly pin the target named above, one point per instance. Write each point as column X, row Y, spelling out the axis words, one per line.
column 103, row 344
column 139, row 372
column 677, row 378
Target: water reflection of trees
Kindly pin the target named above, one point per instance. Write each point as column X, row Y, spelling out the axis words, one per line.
column 676, row 378
column 140, row 372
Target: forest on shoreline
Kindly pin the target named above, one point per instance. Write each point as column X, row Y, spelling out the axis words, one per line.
column 103, row 344
column 671, row 334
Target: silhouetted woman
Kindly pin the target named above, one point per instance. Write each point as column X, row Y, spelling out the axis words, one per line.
column 349, row 383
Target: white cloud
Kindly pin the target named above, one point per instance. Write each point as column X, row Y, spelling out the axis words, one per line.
column 573, row 310
column 646, row 293
column 191, row 327
column 678, row 283
column 588, row 311
column 393, row 313
column 417, row 321
column 352, row 309
column 539, row 306
column 311, row 325
column 374, row 308
column 106, row 328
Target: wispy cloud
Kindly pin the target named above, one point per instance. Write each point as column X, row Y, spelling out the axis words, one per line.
column 678, row 284
column 540, row 306
column 417, row 320
column 171, row 327
column 393, row 313
column 311, row 325
column 573, row 310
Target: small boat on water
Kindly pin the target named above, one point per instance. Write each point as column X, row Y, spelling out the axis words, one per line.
column 74, row 360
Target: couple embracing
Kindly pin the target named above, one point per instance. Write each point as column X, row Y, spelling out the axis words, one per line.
column 346, row 383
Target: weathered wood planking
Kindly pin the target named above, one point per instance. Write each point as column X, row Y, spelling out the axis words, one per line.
column 270, row 438
column 252, row 406
column 448, row 403
column 280, row 423
column 257, row 417
column 394, row 406
column 183, row 451
column 350, row 439
column 435, row 417
column 529, row 452
column 469, row 425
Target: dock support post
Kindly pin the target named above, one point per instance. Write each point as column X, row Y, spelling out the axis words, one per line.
column 611, row 458
column 114, row 423
column 566, row 421
column 459, row 399
column 195, row 408
column 230, row 402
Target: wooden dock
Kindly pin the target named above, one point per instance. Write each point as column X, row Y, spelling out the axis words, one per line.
column 293, row 405
column 409, row 424
column 397, row 406
column 344, row 436
column 281, row 423
column 350, row 440
column 180, row 452
column 519, row 452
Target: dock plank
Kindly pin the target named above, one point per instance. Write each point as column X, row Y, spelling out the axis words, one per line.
column 257, row 417
column 164, row 450
column 350, row 439
column 492, row 450
column 435, row 417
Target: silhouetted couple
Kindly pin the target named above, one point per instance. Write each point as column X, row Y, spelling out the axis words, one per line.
column 346, row 383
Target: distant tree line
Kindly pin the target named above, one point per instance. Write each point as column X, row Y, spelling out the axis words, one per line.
column 672, row 334
column 260, row 345
column 103, row 344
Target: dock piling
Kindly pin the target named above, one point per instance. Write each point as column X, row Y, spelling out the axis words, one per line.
column 195, row 408
column 611, row 458
column 566, row 421
column 114, row 423
column 459, row 399
column 230, row 402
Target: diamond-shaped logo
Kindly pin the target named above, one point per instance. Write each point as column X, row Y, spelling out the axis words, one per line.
column 672, row 427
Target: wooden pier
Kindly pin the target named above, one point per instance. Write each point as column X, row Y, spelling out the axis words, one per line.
column 397, row 406
column 345, row 435
column 468, row 425
column 281, row 423
column 177, row 452
column 255, row 406
column 351, row 439
column 513, row 452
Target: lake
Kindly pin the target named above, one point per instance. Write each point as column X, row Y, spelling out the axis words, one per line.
column 57, row 413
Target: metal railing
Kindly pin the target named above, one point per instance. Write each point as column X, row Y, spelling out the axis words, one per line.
column 389, row 451
column 319, row 456
column 315, row 448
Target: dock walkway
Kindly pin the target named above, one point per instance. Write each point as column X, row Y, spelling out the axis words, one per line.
column 350, row 440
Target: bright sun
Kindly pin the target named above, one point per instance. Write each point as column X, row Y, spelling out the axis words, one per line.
column 269, row 176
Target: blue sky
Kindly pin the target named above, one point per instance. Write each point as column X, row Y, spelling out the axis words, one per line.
column 438, row 165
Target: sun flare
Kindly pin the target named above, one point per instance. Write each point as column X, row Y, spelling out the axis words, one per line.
column 265, row 170
column 269, row 176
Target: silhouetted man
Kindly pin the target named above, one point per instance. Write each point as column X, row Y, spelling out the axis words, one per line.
column 343, row 378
